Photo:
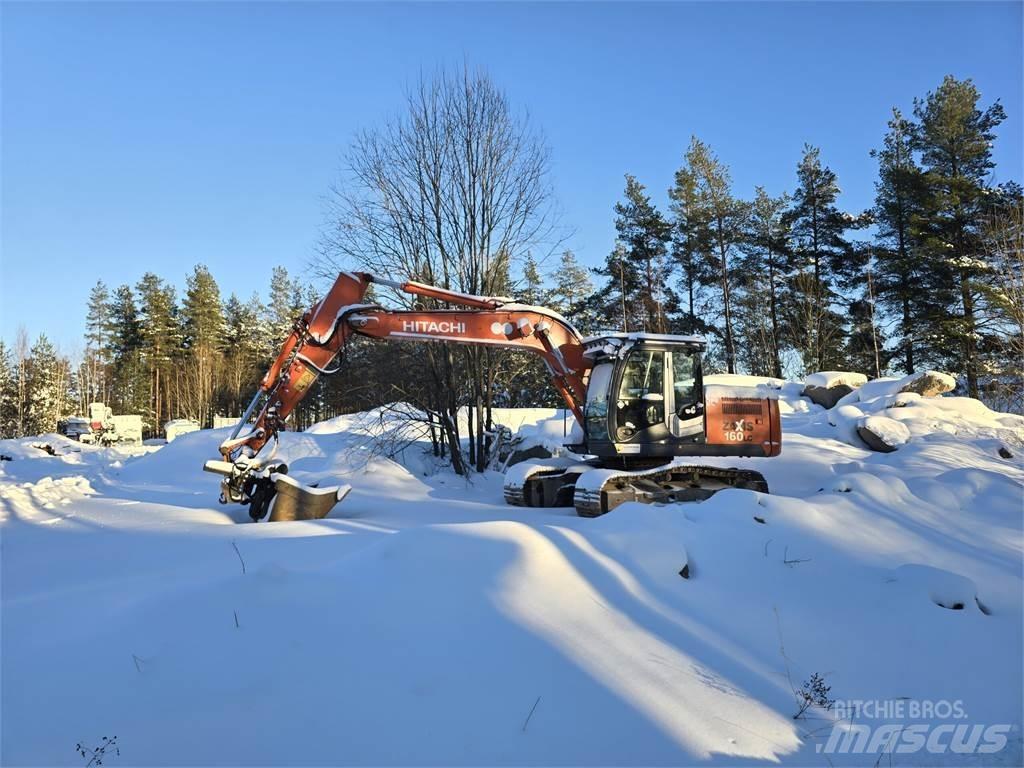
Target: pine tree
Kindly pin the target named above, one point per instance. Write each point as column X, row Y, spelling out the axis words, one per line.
column 532, row 291
column 20, row 360
column 204, row 332
column 128, row 391
column 618, row 300
column 904, row 282
column 865, row 345
column 244, row 355
column 160, row 340
column 823, row 262
column 955, row 138
column 124, row 335
column 572, row 287
column 8, row 395
column 47, row 384
column 763, row 272
column 285, row 305
column 98, row 327
column 690, row 231
column 722, row 218
column 201, row 312
column 644, row 234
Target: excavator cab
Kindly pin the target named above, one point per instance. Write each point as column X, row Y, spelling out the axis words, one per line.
column 646, row 402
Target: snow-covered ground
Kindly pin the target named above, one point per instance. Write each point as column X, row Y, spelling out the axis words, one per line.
column 427, row 623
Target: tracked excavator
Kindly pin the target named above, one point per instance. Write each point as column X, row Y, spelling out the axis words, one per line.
column 639, row 401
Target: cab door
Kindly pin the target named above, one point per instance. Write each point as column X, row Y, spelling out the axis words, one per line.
column 686, row 394
column 640, row 401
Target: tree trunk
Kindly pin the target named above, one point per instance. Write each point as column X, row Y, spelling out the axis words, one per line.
column 730, row 348
column 622, row 287
column 908, row 341
column 970, row 361
column 774, row 313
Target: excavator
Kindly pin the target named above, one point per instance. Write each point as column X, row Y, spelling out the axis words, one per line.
column 639, row 401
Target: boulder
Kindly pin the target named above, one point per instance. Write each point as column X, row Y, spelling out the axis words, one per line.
column 826, row 388
column 834, row 379
column 827, row 397
column 533, row 452
column 930, row 384
column 882, row 434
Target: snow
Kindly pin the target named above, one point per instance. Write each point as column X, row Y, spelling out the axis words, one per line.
column 835, row 379
column 425, row 622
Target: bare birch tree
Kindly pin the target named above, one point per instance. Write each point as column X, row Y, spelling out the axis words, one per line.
column 451, row 192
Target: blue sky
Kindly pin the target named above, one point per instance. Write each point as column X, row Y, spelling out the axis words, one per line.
column 154, row 136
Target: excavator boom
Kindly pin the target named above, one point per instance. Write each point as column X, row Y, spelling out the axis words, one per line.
column 321, row 333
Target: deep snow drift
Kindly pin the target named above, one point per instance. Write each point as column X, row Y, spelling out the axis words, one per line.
column 426, row 622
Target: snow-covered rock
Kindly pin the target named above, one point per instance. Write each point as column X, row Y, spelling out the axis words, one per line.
column 521, row 454
column 925, row 383
column 829, row 379
column 826, row 388
column 930, row 384
column 882, row 433
column 826, row 397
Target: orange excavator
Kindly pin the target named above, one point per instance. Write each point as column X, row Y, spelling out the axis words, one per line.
column 639, row 400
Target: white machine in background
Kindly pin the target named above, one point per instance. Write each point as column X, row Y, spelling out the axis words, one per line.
column 178, row 427
column 108, row 429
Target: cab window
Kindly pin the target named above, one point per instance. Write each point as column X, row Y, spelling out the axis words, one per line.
column 684, row 381
column 643, row 375
column 597, row 401
column 641, row 400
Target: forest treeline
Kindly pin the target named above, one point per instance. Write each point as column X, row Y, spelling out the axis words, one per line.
column 455, row 192
column 150, row 352
column 930, row 276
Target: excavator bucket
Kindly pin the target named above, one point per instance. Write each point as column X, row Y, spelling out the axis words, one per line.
column 294, row 501
column 271, row 495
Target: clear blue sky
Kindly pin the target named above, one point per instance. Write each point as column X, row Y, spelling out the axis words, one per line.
column 152, row 136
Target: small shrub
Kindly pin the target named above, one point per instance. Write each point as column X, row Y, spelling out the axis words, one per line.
column 814, row 694
column 96, row 756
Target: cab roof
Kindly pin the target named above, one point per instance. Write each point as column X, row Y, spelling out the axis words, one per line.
column 618, row 344
column 665, row 338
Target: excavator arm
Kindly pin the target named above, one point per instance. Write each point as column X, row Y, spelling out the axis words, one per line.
column 321, row 333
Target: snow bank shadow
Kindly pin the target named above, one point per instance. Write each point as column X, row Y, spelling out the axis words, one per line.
column 675, row 670
column 405, row 636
